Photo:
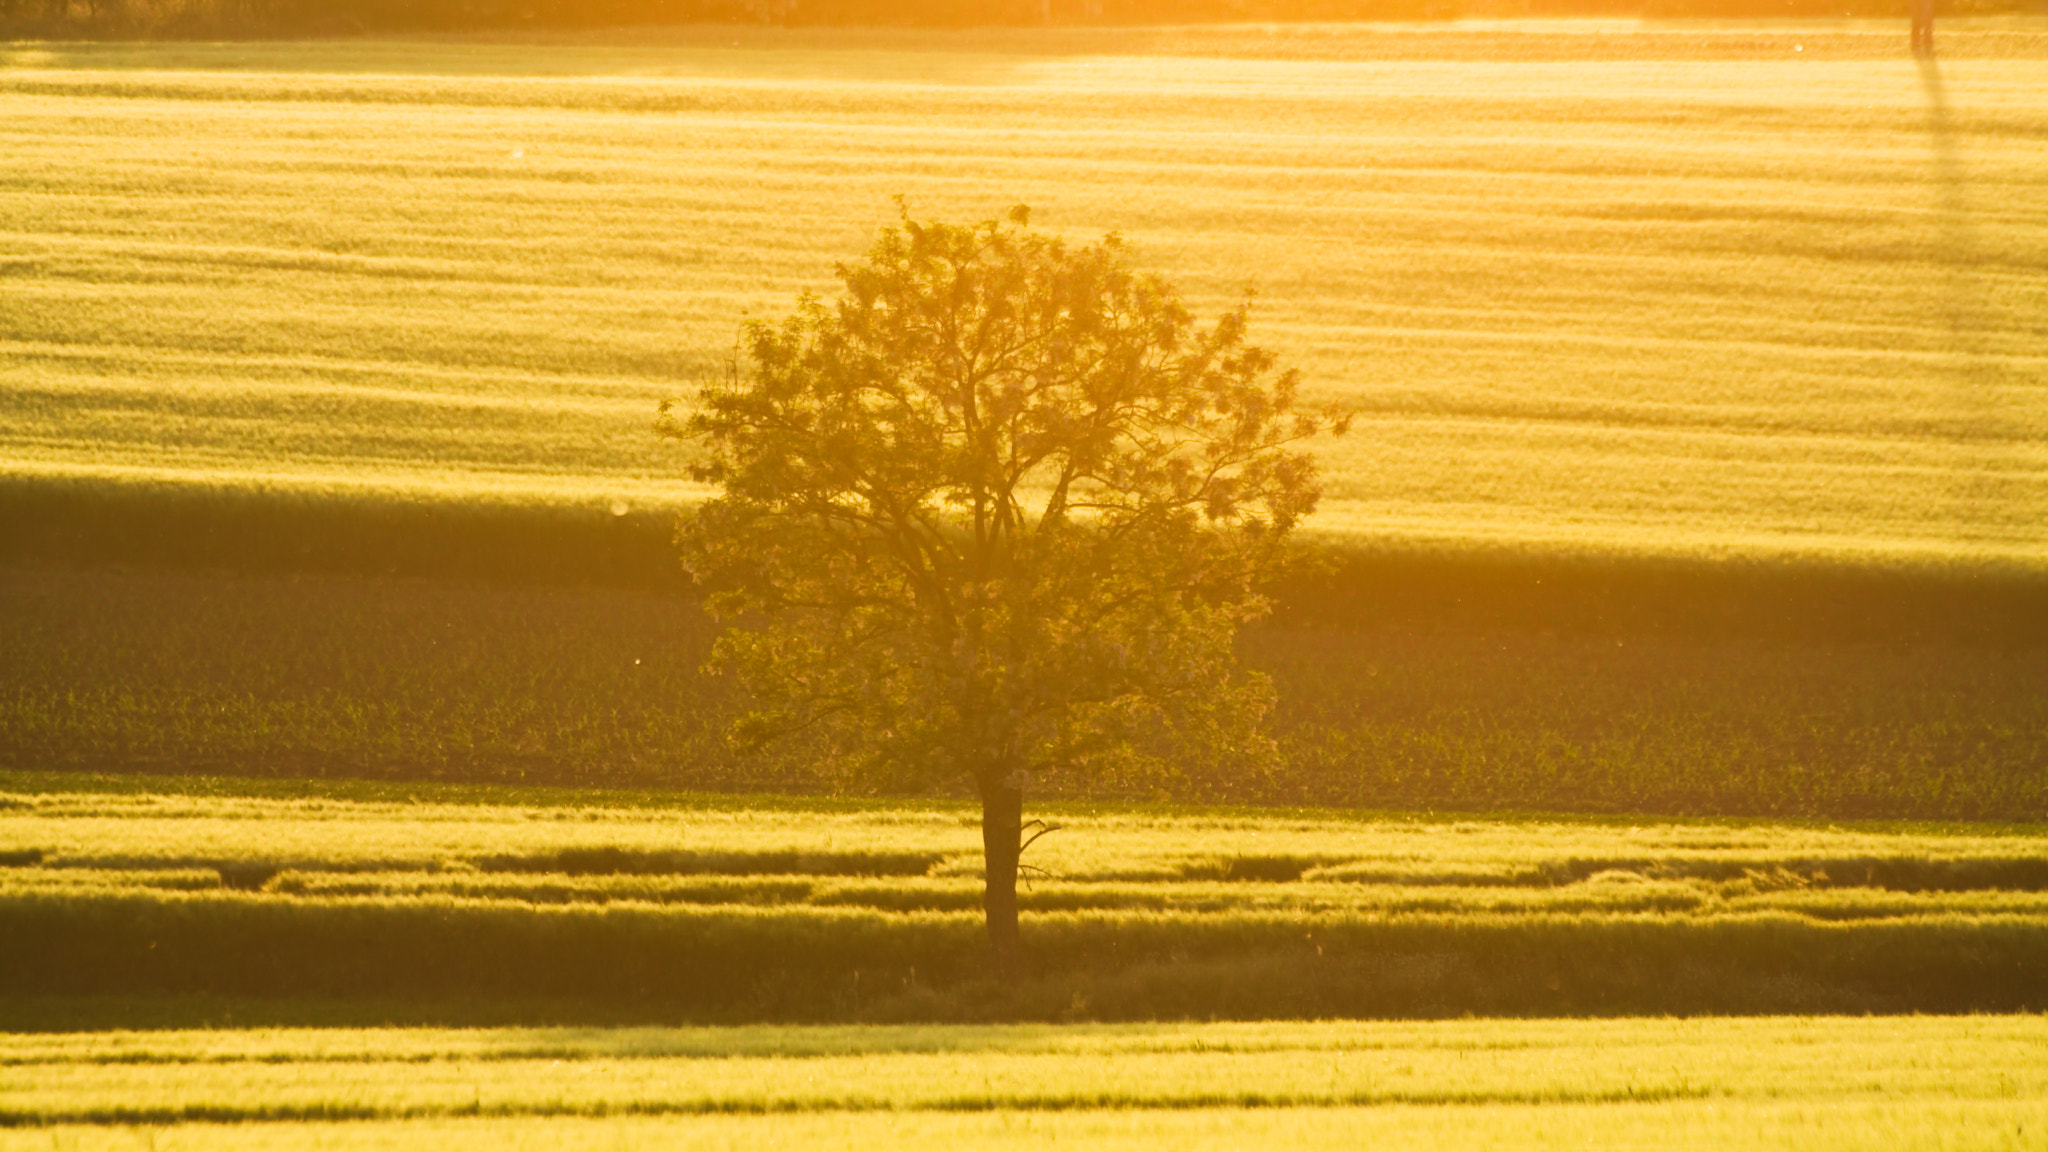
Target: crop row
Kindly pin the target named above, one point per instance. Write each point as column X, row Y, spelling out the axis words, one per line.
column 689, row 875
column 474, row 837
column 767, row 909
column 1615, row 894
column 751, row 962
column 1724, row 1040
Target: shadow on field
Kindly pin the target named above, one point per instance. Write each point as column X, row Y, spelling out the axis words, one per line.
column 227, row 962
column 1965, row 309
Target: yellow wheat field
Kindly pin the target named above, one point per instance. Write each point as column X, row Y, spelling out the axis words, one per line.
column 1804, row 1083
column 1758, row 291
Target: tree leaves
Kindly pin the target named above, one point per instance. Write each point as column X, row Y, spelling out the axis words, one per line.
column 998, row 510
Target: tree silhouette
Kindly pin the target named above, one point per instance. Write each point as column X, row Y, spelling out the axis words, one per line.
column 996, row 513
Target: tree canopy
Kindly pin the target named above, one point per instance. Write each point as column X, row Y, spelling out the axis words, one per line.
column 996, row 512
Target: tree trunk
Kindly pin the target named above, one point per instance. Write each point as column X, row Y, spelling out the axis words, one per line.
column 1002, row 820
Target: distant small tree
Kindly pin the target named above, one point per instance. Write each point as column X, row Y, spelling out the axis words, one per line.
column 997, row 513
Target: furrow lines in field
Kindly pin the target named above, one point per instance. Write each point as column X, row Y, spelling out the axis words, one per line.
column 299, row 1074
column 1769, row 246
column 134, row 360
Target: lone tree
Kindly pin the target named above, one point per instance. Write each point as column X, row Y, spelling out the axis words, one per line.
column 997, row 512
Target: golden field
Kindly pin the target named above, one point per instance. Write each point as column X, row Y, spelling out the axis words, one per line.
column 1708, row 290
column 420, row 830
column 224, row 963
column 156, row 903
column 1835, row 1084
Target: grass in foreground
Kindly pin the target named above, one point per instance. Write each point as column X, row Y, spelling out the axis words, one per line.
column 1920, row 1082
column 1993, row 1126
column 2004, row 1126
column 1719, row 291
